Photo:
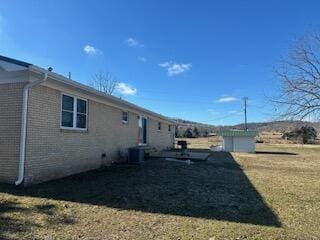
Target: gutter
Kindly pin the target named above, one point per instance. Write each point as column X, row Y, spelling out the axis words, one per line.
column 113, row 99
column 23, row 134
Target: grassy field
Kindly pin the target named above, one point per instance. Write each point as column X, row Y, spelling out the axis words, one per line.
column 273, row 194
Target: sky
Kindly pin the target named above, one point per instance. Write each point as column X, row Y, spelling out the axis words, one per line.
column 194, row 60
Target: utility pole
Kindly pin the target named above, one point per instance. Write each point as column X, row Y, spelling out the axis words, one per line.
column 245, row 99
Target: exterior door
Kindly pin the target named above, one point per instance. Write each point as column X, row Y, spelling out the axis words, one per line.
column 143, row 130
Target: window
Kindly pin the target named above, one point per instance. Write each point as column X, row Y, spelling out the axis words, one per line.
column 125, row 117
column 67, row 111
column 169, row 128
column 81, row 113
column 73, row 112
column 159, row 125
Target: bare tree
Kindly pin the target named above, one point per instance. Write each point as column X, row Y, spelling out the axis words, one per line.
column 299, row 78
column 104, row 82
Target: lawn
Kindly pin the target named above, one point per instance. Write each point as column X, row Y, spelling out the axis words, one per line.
column 274, row 194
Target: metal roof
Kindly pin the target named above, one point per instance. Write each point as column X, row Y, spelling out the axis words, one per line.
column 238, row 133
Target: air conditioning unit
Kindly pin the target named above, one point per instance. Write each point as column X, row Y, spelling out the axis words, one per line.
column 136, row 155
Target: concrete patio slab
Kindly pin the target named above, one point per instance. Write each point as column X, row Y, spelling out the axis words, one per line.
column 202, row 156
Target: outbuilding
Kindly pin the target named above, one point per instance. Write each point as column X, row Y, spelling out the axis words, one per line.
column 238, row 140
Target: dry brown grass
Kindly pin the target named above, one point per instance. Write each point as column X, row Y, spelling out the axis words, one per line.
column 270, row 195
column 272, row 137
column 267, row 137
column 202, row 142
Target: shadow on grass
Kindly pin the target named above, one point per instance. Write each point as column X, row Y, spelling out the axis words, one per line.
column 217, row 189
column 15, row 218
column 277, row 153
column 203, row 150
column 9, row 224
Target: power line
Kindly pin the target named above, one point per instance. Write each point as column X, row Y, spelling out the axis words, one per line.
column 175, row 100
column 185, row 101
column 202, row 97
column 187, row 94
column 245, row 99
column 215, row 119
column 181, row 100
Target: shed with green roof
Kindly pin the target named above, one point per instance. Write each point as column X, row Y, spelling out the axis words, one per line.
column 238, row 140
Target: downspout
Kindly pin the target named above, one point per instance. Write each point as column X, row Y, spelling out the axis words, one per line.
column 23, row 134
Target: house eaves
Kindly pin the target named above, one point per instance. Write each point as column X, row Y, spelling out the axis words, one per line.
column 77, row 85
column 15, row 61
column 107, row 97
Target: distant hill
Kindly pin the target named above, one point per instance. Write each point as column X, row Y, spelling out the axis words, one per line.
column 279, row 126
column 273, row 126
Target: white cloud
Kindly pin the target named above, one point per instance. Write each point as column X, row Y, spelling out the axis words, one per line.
column 132, row 42
column 126, row 89
column 212, row 112
column 165, row 64
column 175, row 68
column 235, row 112
column 91, row 50
column 232, row 111
column 142, row 59
column 227, row 99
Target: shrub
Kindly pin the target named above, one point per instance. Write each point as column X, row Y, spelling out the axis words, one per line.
column 195, row 132
column 305, row 134
column 188, row 133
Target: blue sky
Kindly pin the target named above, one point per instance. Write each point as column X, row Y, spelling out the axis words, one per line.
column 189, row 59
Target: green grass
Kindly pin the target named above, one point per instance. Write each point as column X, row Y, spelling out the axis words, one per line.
column 270, row 195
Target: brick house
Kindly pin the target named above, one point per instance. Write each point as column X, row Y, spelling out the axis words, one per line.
column 51, row 126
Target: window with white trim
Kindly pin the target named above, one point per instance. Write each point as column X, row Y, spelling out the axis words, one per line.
column 67, row 111
column 125, row 117
column 81, row 114
column 73, row 112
